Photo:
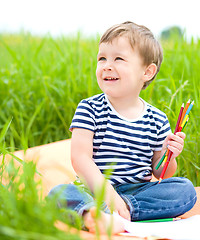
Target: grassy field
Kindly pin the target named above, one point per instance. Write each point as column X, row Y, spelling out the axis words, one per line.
column 42, row 79
column 24, row 214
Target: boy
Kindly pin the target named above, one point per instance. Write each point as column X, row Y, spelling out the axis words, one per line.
column 119, row 131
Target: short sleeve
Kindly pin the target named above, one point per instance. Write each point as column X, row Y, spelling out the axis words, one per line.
column 163, row 132
column 84, row 117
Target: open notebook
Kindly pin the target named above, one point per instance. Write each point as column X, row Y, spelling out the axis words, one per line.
column 184, row 229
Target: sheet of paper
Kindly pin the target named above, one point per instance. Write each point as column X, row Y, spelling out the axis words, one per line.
column 184, row 229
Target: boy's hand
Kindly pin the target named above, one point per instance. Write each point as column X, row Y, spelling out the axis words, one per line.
column 175, row 143
column 121, row 208
column 113, row 200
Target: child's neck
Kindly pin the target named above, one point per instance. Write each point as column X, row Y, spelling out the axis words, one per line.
column 128, row 108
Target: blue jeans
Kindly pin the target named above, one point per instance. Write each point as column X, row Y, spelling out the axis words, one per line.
column 150, row 200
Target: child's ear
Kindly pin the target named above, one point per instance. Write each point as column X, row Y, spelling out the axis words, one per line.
column 150, row 72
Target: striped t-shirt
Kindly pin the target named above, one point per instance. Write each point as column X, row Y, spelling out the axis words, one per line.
column 122, row 145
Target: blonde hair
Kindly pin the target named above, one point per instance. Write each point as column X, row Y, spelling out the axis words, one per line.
column 140, row 37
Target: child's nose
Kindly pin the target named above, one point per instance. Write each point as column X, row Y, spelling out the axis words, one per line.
column 108, row 66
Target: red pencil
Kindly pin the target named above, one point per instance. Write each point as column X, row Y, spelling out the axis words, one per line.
column 170, row 152
column 165, row 166
column 179, row 118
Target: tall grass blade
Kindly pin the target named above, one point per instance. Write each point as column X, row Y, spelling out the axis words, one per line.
column 5, row 129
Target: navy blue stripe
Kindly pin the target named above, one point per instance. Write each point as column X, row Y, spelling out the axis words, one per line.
column 110, row 144
column 85, row 108
column 164, row 130
column 117, row 172
column 135, row 128
column 84, row 122
column 77, row 126
column 114, row 181
column 121, row 152
column 131, row 156
column 127, row 169
column 122, row 139
column 133, row 161
column 82, row 114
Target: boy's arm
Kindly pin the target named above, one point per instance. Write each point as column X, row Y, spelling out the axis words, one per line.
column 175, row 143
column 87, row 170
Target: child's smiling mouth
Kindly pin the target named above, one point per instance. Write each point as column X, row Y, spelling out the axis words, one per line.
column 111, row 79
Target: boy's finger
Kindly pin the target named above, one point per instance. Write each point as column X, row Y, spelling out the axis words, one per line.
column 176, row 150
column 125, row 214
column 177, row 138
column 181, row 134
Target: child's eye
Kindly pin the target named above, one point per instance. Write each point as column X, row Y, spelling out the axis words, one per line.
column 119, row 58
column 101, row 59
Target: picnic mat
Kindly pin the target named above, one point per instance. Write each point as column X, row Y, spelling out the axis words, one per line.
column 53, row 162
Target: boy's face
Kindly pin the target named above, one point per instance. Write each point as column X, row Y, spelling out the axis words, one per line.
column 120, row 69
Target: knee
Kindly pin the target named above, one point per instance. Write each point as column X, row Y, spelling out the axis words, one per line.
column 187, row 188
column 64, row 191
column 186, row 184
column 58, row 189
column 61, row 193
column 188, row 194
column 69, row 195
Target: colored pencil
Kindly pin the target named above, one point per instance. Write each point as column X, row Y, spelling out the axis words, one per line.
column 185, row 124
column 170, row 152
column 165, row 166
column 189, row 108
column 161, row 160
column 184, row 120
column 165, row 159
column 160, row 220
column 184, row 111
column 179, row 118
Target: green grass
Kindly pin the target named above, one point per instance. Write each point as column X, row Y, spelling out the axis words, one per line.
column 41, row 82
column 24, row 215
column 42, row 79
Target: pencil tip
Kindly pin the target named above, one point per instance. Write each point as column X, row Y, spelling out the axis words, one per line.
column 160, row 179
column 192, row 102
column 176, row 218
